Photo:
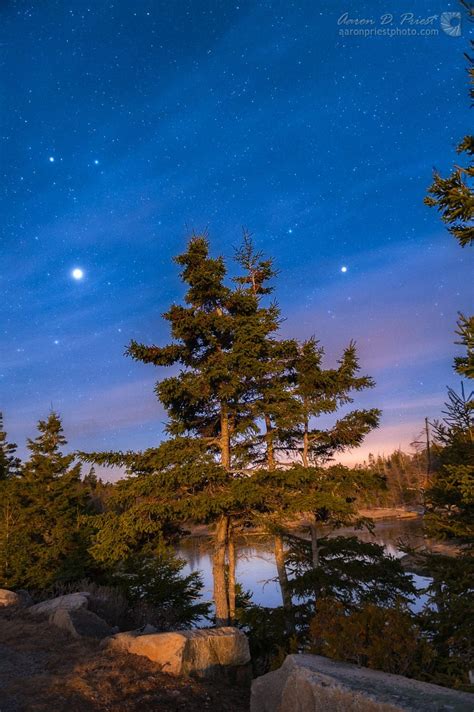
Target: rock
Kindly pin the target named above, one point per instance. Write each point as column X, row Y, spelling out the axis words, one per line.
column 200, row 652
column 26, row 600
column 80, row 623
column 309, row 683
column 71, row 602
column 9, row 598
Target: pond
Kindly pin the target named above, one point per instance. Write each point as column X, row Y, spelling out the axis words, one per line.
column 256, row 569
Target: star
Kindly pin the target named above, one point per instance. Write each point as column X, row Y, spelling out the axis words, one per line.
column 77, row 273
column 51, row 159
column 344, row 268
column 96, row 162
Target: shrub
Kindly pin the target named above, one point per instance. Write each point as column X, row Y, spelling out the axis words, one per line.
column 382, row 638
column 158, row 592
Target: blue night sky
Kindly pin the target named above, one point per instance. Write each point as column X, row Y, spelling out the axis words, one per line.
column 126, row 124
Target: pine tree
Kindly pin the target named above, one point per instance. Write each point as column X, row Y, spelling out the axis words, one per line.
column 454, row 196
column 273, row 403
column 220, row 340
column 9, row 469
column 9, row 462
column 464, row 365
column 450, row 498
column 319, row 391
column 291, row 391
column 48, row 544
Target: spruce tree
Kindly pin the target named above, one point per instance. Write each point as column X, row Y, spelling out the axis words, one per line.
column 450, row 496
column 273, row 403
column 220, row 340
column 318, row 391
column 454, row 196
column 9, row 462
column 9, row 469
column 464, row 365
column 292, row 391
column 48, row 543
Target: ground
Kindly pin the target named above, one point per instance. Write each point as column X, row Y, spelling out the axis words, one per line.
column 43, row 669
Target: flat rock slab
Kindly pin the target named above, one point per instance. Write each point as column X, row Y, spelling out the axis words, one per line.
column 80, row 623
column 200, row 652
column 70, row 602
column 311, row 683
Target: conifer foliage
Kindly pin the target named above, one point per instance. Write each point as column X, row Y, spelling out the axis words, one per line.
column 453, row 196
column 44, row 541
column 9, row 462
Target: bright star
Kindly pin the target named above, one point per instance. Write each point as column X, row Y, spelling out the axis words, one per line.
column 343, row 268
column 77, row 273
column 51, row 159
column 96, row 162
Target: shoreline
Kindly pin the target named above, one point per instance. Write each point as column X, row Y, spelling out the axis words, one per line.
column 378, row 514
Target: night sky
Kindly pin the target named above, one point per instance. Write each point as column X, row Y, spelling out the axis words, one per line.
column 126, row 124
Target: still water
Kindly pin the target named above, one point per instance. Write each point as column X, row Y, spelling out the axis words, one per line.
column 256, row 570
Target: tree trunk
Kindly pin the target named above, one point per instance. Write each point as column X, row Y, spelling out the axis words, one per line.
column 314, row 542
column 278, row 546
column 269, row 441
column 232, row 561
column 225, row 438
column 283, row 581
column 305, row 453
column 221, row 600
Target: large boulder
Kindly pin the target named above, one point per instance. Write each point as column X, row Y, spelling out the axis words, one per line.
column 9, row 598
column 310, row 683
column 206, row 652
column 80, row 623
column 71, row 602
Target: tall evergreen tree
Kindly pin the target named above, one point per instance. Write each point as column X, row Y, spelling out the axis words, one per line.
column 220, row 341
column 319, row 391
column 454, row 196
column 292, row 392
column 464, row 365
column 9, row 462
column 48, row 542
column 450, row 496
column 273, row 403
column 9, row 469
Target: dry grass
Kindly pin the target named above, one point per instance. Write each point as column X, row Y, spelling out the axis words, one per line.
column 43, row 669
